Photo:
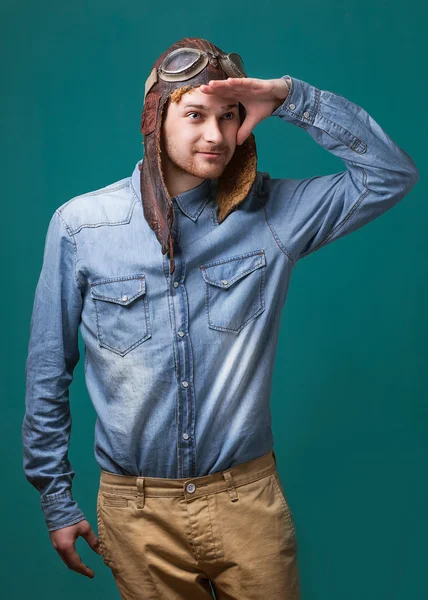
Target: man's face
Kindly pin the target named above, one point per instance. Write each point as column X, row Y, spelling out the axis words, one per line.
column 200, row 123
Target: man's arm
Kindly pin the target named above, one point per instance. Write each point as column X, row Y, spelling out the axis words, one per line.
column 310, row 213
column 52, row 355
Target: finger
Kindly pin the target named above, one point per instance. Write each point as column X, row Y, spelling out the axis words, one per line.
column 92, row 540
column 239, row 84
column 231, row 86
column 245, row 129
column 76, row 563
column 225, row 92
column 64, row 559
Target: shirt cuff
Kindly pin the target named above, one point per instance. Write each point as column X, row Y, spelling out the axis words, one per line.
column 301, row 104
column 60, row 510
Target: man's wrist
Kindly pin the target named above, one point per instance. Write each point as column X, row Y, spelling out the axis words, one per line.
column 284, row 87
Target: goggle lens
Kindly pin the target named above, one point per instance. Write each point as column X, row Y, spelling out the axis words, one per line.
column 180, row 60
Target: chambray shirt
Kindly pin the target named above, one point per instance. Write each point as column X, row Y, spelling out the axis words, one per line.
column 179, row 367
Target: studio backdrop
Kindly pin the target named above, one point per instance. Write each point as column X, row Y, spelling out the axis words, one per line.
column 350, row 389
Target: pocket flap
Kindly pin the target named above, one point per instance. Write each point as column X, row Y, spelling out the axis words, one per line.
column 119, row 290
column 225, row 273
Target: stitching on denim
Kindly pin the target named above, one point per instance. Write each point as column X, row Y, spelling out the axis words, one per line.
column 146, row 336
column 53, row 498
column 55, row 526
column 346, row 218
column 134, row 193
column 125, row 221
column 114, row 300
column 189, row 362
column 313, row 109
column 251, row 317
column 353, row 138
column 276, row 238
column 237, row 277
column 195, row 215
column 178, row 229
column 80, row 284
column 221, row 261
column 118, row 278
column 123, row 352
column 98, row 296
column 109, row 188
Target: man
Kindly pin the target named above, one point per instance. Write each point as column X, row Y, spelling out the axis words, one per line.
column 176, row 277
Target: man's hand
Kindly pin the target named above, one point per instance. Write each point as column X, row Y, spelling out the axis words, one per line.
column 63, row 541
column 259, row 96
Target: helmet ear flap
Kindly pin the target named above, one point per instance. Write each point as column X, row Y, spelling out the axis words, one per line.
column 149, row 114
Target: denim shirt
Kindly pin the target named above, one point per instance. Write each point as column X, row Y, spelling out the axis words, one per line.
column 179, row 367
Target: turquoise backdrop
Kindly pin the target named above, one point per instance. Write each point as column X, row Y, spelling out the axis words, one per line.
column 354, row 463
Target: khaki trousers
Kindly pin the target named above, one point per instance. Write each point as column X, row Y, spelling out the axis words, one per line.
column 171, row 539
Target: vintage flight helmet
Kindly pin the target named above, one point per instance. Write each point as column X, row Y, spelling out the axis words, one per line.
column 187, row 64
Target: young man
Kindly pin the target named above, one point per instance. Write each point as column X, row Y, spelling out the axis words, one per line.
column 176, row 277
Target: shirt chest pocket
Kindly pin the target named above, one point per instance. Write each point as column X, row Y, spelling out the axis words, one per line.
column 234, row 290
column 122, row 313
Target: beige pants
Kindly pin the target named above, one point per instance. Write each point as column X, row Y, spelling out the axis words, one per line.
column 169, row 538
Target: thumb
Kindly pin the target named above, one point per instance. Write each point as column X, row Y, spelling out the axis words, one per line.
column 92, row 540
column 246, row 128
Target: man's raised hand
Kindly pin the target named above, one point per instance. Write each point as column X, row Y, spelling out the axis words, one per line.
column 260, row 97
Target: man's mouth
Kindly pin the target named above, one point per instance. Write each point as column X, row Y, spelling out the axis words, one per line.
column 211, row 153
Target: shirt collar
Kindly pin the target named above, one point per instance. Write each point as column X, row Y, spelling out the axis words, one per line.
column 191, row 202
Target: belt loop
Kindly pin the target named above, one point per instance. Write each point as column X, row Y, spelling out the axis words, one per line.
column 230, row 486
column 140, row 492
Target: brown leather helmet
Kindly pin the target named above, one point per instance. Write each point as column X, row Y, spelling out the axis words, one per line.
column 175, row 72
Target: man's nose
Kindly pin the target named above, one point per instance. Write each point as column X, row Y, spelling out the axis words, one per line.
column 212, row 132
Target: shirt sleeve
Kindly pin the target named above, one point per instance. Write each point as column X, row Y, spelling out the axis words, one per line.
column 306, row 214
column 52, row 355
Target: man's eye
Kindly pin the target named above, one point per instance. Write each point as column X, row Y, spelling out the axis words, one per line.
column 196, row 113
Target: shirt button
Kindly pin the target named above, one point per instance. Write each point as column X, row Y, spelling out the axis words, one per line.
column 190, row 488
column 224, row 281
column 185, row 436
column 185, row 384
column 175, row 284
column 292, row 106
column 306, row 115
column 181, row 333
column 124, row 298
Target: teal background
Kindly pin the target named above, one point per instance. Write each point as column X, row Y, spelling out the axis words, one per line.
column 350, row 390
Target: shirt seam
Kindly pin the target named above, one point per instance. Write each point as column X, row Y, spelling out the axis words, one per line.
column 80, row 284
column 276, row 237
column 54, row 498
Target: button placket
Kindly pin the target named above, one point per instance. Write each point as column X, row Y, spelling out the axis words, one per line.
column 185, row 395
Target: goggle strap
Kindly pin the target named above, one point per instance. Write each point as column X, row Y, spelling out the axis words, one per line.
column 150, row 81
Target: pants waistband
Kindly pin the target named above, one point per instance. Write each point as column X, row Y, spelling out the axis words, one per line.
column 132, row 486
